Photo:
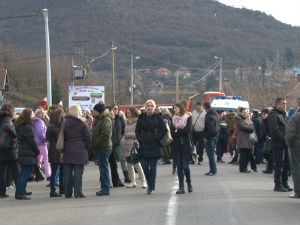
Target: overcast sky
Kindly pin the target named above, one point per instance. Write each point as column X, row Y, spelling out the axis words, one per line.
column 286, row 11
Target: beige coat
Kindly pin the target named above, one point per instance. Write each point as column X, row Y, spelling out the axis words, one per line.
column 129, row 136
column 243, row 131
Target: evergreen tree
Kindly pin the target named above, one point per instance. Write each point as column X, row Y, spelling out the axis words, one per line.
column 56, row 92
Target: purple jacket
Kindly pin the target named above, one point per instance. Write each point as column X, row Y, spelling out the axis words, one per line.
column 40, row 131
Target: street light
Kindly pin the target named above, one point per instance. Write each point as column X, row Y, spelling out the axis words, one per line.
column 220, row 76
column 131, row 82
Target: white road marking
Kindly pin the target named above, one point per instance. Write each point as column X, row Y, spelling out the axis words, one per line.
column 172, row 206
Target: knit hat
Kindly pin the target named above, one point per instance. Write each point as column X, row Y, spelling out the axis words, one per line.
column 99, row 107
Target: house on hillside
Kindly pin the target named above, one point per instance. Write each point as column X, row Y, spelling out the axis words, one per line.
column 183, row 72
column 162, row 73
column 4, row 85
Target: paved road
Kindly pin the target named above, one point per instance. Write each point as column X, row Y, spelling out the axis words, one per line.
column 228, row 198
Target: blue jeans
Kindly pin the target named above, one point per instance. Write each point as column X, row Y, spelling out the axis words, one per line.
column 22, row 180
column 182, row 168
column 149, row 166
column 210, row 147
column 57, row 171
column 103, row 158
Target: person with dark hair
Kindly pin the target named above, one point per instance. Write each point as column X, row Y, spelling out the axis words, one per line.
column 211, row 132
column 102, row 145
column 150, row 129
column 55, row 158
column 8, row 156
column 244, row 128
column 264, row 138
column 256, row 120
column 181, row 146
column 198, row 119
column 277, row 122
column 28, row 152
column 118, row 127
column 127, row 143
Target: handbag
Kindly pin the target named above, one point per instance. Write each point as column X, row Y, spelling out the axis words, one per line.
column 5, row 140
column 253, row 138
column 134, row 154
column 267, row 148
column 232, row 140
column 167, row 139
column 60, row 140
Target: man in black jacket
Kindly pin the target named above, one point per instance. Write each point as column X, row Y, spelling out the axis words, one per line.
column 277, row 122
column 211, row 132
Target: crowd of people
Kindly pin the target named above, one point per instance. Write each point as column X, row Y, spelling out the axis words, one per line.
column 29, row 143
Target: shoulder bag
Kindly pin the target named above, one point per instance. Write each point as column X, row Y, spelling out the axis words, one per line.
column 60, row 140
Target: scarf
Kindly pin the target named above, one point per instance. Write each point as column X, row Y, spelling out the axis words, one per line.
column 179, row 122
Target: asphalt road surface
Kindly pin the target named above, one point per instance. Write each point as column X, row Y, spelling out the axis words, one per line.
column 227, row 198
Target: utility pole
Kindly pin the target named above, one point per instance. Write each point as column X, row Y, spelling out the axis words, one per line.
column 131, row 81
column 177, row 88
column 49, row 93
column 113, row 72
column 220, row 77
column 263, row 71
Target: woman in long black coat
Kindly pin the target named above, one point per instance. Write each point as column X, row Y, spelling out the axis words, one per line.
column 77, row 141
column 150, row 129
column 28, row 152
column 8, row 156
column 54, row 157
column 181, row 146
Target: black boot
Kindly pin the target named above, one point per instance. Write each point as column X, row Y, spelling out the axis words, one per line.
column 38, row 173
column 180, row 191
column 190, row 187
column 127, row 179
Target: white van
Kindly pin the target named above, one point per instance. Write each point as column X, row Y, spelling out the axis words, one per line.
column 229, row 103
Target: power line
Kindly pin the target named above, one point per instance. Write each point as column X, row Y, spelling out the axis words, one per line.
column 19, row 16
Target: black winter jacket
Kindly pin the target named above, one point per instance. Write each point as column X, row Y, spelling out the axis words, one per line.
column 7, row 125
column 277, row 122
column 52, row 135
column 28, row 149
column 149, row 131
column 212, row 124
column 182, row 140
column 77, row 141
column 118, row 130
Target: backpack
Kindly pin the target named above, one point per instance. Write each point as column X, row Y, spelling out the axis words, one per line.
column 5, row 140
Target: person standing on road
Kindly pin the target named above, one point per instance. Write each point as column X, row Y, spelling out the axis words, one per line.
column 181, row 146
column 211, row 132
column 198, row 122
column 55, row 158
column 117, row 134
column 40, row 139
column 264, row 138
column 292, row 139
column 77, row 140
column 102, row 145
column 8, row 156
column 28, row 152
column 277, row 121
column 244, row 128
column 127, row 142
column 150, row 129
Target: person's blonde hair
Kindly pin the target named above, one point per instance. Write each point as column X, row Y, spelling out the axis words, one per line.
column 38, row 111
column 165, row 111
column 75, row 111
column 150, row 101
